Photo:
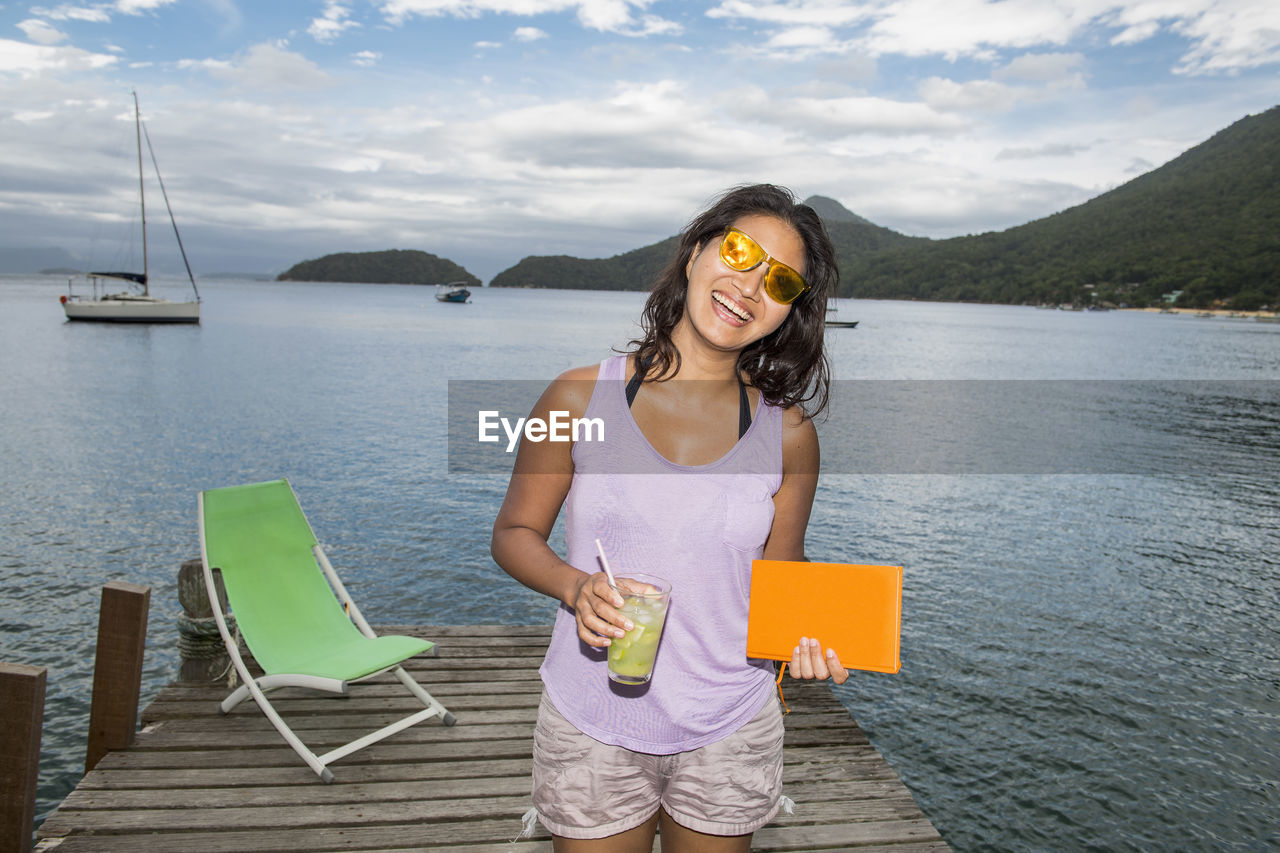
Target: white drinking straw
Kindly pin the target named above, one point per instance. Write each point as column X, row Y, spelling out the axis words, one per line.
column 604, row 561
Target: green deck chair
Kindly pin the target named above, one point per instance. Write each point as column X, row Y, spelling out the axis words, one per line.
column 293, row 612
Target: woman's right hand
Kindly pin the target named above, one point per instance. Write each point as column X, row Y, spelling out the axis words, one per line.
column 595, row 605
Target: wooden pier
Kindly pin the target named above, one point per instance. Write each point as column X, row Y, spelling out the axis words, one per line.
column 194, row 780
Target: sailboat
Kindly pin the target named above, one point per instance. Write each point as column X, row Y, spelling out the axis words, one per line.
column 135, row 305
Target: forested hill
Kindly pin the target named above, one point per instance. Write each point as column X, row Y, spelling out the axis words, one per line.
column 634, row 270
column 394, row 266
column 1207, row 224
column 637, row 269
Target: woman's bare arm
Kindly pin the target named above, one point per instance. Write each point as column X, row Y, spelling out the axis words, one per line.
column 539, row 484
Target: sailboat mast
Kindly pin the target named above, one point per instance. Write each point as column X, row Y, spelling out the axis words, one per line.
column 142, row 194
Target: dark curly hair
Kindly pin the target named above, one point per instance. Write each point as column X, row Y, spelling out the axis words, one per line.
column 789, row 366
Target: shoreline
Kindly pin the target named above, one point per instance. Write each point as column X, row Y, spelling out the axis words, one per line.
column 1209, row 313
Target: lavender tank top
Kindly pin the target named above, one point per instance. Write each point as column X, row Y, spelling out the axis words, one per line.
column 698, row 526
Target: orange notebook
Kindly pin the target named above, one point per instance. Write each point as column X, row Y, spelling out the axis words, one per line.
column 856, row 610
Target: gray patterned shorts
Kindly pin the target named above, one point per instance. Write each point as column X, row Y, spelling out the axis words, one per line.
column 583, row 788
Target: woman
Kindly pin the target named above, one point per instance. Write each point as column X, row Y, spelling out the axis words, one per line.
column 710, row 462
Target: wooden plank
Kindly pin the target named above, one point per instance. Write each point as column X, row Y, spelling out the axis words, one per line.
column 319, row 840
column 880, row 821
column 211, row 778
column 516, row 782
column 453, row 834
column 384, row 685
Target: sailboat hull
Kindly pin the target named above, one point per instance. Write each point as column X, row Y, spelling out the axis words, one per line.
column 133, row 309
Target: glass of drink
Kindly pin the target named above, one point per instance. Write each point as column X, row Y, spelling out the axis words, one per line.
column 645, row 600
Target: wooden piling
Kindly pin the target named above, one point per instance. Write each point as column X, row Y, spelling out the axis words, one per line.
column 203, row 657
column 117, row 669
column 21, row 717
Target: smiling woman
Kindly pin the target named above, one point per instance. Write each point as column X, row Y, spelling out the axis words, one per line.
column 713, row 464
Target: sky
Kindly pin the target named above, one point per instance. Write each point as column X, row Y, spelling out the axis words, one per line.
column 484, row 131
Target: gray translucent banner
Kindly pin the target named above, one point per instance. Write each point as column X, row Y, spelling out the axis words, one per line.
column 1153, row 427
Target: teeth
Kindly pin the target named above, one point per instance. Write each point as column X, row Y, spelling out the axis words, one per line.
column 732, row 308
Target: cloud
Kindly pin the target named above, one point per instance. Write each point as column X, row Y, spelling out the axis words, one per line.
column 265, row 66
column 971, row 28
column 1223, row 35
column 971, row 96
column 615, row 16
column 528, row 34
column 1047, row 74
column 1230, row 37
column 366, row 58
column 851, row 68
column 652, row 125
column 651, row 25
column 811, row 38
column 332, row 23
column 1041, row 67
column 41, row 32
column 1053, row 149
column 1136, row 33
column 828, row 14
column 29, row 59
column 100, row 13
column 138, row 7
column 95, row 14
column 850, row 115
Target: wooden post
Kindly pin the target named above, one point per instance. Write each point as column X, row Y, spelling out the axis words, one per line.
column 203, row 656
column 21, row 718
column 117, row 669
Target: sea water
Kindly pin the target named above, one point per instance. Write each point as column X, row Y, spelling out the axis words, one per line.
column 1090, row 652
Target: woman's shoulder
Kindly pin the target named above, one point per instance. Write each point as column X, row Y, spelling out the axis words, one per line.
column 571, row 390
column 587, row 372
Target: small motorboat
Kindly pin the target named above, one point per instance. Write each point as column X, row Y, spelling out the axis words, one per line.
column 454, row 291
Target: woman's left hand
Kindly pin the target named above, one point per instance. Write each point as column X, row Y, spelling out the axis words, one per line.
column 808, row 661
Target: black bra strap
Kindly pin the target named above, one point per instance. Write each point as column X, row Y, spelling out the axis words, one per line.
column 744, row 407
column 633, row 386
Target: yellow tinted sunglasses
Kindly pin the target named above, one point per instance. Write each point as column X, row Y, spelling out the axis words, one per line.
column 782, row 283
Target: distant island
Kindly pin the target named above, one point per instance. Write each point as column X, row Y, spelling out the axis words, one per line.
column 393, row 266
column 1201, row 231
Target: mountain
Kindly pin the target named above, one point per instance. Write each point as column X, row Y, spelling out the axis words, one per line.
column 1206, row 223
column 852, row 235
column 634, row 270
column 393, row 266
